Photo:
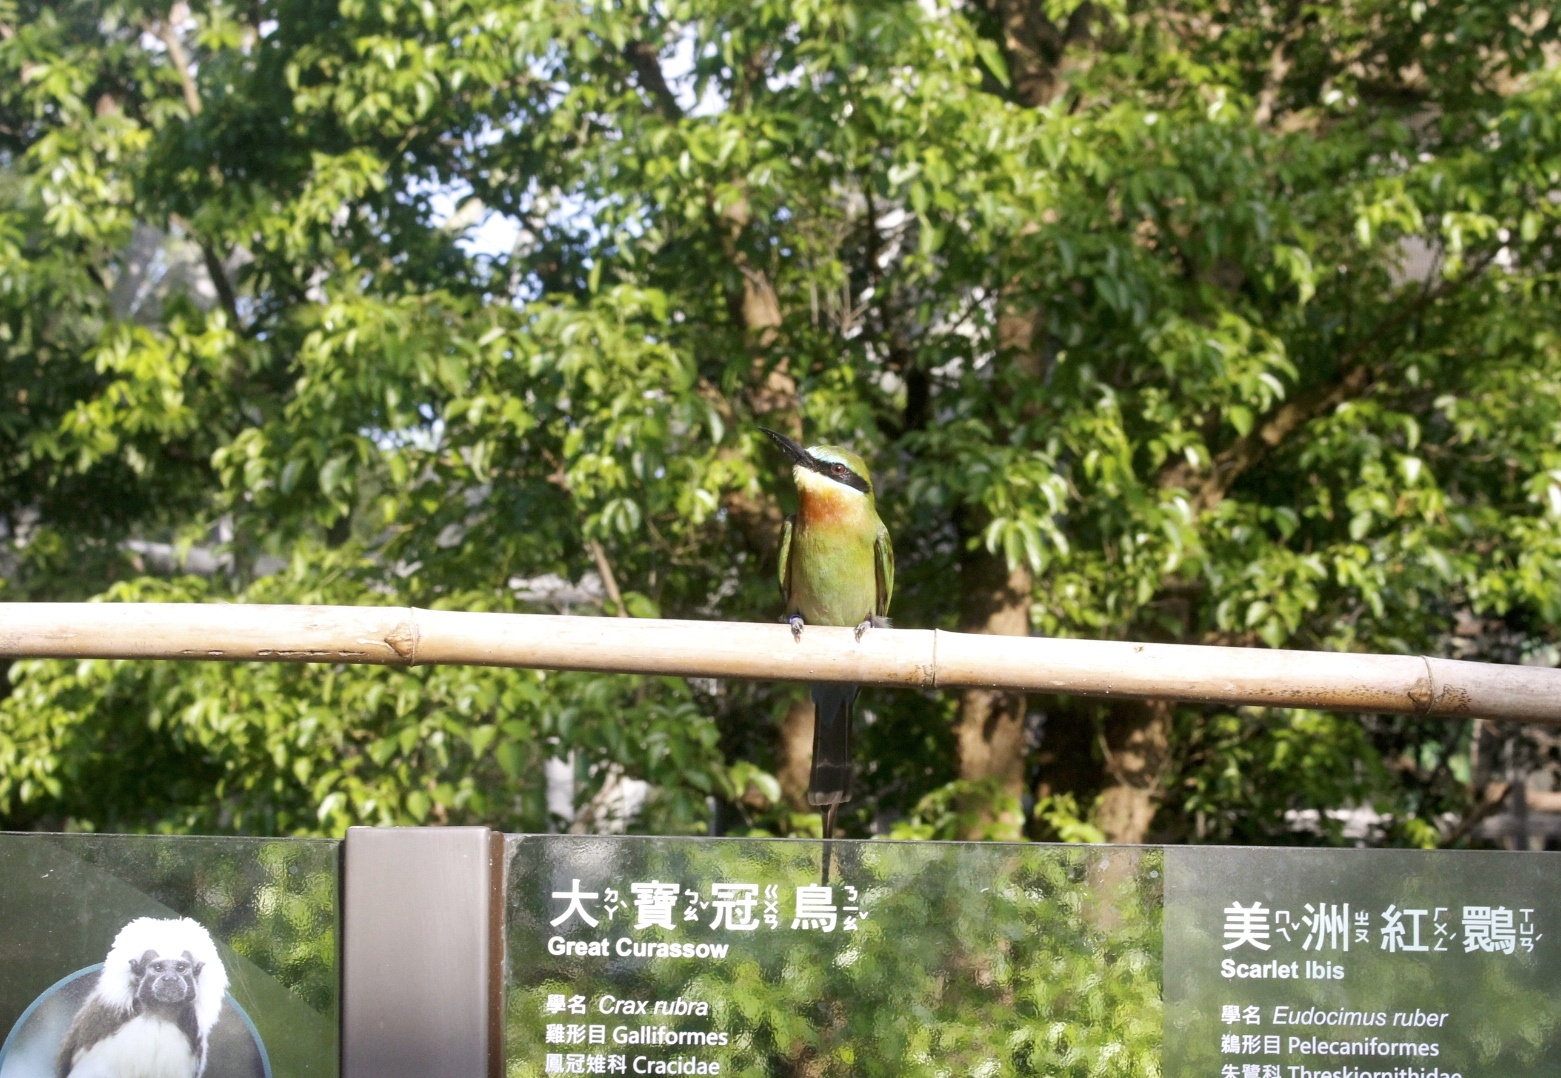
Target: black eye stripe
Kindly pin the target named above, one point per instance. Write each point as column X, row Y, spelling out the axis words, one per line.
column 842, row 474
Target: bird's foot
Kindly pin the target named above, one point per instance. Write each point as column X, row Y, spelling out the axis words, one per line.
column 795, row 621
column 872, row 621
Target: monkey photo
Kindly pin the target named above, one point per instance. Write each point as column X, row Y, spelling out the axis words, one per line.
column 151, row 1013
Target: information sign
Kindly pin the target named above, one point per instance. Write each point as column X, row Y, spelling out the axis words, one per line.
column 1308, row 963
column 168, row 956
column 729, row 957
column 695, row 956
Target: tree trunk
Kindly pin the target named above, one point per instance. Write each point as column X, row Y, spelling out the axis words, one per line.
column 795, row 754
column 996, row 599
column 1137, row 745
column 990, row 728
column 772, row 399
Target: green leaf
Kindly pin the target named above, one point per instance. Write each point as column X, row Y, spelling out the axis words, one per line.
column 418, row 805
column 992, row 57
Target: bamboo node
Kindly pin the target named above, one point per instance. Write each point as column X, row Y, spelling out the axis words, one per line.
column 1422, row 694
column 403, row 639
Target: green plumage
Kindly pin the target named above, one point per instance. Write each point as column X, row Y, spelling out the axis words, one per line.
column 836, row 568
column 836, row 576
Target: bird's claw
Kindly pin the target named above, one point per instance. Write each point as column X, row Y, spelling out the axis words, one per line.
column 866, row 624
column 795, row 621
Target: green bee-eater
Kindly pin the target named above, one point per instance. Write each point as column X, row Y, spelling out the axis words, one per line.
column 836, row 568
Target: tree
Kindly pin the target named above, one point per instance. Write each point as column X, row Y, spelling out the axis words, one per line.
column 1187, row 323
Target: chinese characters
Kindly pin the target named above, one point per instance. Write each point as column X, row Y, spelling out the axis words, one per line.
column 1326, row 926
column 731, row 907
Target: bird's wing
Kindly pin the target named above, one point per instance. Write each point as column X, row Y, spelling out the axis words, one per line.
column 784, row 570
column 883, row 567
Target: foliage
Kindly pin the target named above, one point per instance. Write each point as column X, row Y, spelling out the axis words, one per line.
column 1293, row 378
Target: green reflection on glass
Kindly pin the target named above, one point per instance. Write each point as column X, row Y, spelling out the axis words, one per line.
column 270, row 905
column 982, row 960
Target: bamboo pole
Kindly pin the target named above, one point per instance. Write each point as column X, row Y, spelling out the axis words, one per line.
column 911, row 658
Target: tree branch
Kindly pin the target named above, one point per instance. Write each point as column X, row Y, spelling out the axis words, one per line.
column 1034, row 46
column 1491, row 800
column 1235, row 459
column 167, row 32
column 1268, row 97
column 609, row 581
column 1357, row 374
column 1292, row 28
column 642, row 56
column 224, row 287
column 215, row 270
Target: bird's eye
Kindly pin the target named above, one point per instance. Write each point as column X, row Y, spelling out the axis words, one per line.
column 839, row 469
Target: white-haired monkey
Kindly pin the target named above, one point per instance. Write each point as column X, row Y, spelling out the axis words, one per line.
column 152, row 1010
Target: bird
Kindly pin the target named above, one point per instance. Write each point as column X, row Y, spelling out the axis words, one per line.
column 836, row 568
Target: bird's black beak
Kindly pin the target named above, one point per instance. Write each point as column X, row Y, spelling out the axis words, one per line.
column 797, row 454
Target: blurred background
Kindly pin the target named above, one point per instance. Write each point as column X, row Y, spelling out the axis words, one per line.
column 1223, row 323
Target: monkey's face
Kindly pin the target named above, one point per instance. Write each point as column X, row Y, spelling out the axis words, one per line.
column 166, row 981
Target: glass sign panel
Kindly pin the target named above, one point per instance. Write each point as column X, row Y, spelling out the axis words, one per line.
column 1307, row 963
column 168, row 956
column 660, row 956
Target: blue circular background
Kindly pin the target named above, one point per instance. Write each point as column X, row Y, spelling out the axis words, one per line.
column 234, row 1049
